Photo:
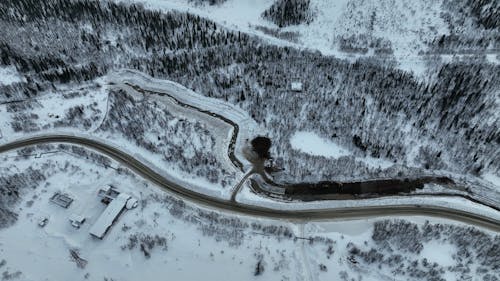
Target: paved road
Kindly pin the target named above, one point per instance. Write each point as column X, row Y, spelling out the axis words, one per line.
column 246, row 209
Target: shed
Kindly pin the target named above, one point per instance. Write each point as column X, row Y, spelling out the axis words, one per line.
column 296, row 86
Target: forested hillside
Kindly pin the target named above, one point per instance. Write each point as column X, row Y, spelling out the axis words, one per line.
column 289, row 12
column 449, row 122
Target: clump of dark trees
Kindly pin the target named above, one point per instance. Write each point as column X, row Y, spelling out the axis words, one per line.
column 146, row 243
column 12, row 187
column 374, row 110
column 362, row 43
column 261, row 146
column 210, row 2
column 482, row 18
column 289, row 12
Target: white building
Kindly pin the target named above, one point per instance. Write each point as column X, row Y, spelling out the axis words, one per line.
column 108, row 193
column 76, row 220
column 109, row 216
column 296, row 86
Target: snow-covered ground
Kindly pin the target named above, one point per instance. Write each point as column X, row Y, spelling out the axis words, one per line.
column 52, row 111
column 313, row 144
column 195, row 243
column 167, row 236
column 9, row 75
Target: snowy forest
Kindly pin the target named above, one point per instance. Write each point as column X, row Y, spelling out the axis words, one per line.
column 383, row 122
column 446, row 122
column 396, row 245
column 183, row 143
column 289, row 12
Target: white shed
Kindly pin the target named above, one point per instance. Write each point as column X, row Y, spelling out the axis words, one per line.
column 76, row 220
column 296, row 86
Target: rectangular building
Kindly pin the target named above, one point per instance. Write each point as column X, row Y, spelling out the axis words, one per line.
column 109, row 216
column 62, row 200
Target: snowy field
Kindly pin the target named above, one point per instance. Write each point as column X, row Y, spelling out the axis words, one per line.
column 312, row 144
column 9, row 75
column 170, row 236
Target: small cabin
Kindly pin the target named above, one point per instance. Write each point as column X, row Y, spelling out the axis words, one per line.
column 76, row 220
column 296, row 86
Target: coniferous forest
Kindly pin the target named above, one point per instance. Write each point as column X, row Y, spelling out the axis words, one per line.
column 446, row 122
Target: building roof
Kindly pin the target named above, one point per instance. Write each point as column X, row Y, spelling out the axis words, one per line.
column 109, row 215
column 61, row 199
column 296, row 86
column 108, row 192
column 77, row 218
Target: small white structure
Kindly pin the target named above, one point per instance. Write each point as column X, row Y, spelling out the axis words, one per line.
column 296, row 86
column 76, row 220
column 131, row 203
column 108, row 193
column 43, row 221
column 109, row 216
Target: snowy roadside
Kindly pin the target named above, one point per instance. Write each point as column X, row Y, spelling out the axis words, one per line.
column 82, row 113
column 246, row 196
column 248, row 128
column 166, row 235
column 171, row 172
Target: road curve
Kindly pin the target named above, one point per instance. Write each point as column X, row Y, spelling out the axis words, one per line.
column 246, row 209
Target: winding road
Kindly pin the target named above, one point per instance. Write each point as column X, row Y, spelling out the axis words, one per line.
column 174, row 95
column 246, row 209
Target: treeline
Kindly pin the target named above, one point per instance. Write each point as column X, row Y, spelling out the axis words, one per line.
column 289, row 12
column 377, row 111
column 210, row 2
column 474, row 27
column 362, row 43
column 486, row 12
column 12, row 187
column 73, row 41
